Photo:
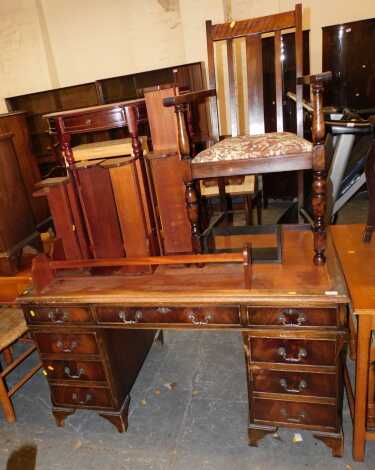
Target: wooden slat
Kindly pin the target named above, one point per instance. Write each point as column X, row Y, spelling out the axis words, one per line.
column 232, row 88
column 255, row 84
column 212, row 81
column 299, row 69
column 279, row 83
column 263, row 24
column 24, row 379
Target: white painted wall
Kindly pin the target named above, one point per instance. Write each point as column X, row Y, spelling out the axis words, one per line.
column 51, row 43
column 23, row 61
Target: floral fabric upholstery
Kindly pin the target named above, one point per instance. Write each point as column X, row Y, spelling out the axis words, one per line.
column 272, row 144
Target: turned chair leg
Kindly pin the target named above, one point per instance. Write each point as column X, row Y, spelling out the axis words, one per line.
column 192, row 205
column 8, row 355
column 319, row 186
column 6, row 403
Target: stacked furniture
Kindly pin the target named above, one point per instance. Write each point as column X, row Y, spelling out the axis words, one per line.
column 107, row 90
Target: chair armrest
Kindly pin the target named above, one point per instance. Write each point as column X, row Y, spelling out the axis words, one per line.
column 190, row 97
column 314, row 79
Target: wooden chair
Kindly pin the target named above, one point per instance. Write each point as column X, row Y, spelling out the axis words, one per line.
column 13, row 329
column 257, row 152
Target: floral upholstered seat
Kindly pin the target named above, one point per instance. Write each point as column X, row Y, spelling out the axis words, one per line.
column 272, row 144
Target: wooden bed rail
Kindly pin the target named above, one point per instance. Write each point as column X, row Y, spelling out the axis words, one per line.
column 43, row 268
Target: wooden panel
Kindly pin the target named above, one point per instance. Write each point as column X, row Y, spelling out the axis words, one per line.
column 299, row 69
column 232, row 89
column 100, row 211
column 167, row 175
column 63, row 220
column 16, row 219
column 278, row 83
column 126, row 189
column 255, row 84
column 162, row 120
column 17, row 125
column 294, row 383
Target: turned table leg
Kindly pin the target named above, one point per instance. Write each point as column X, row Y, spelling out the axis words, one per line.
column 361, row 386
column 192, row 205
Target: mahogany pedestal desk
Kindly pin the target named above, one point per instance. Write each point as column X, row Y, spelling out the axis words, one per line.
column 358, row 260
column 94, row 332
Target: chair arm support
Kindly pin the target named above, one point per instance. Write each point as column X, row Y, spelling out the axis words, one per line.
column 314, row 79
column 191, row 97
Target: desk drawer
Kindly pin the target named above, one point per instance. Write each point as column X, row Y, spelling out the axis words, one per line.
column 95, row 120
column 81, row 397
column 293, row 351
column 292, row 317
column 67, row 343
column 74, row 370
column 198, row 316
column 294, row 383
column 289, row 413
column 57, row 315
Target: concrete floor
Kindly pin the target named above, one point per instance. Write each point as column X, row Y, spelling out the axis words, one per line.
column 200, row 424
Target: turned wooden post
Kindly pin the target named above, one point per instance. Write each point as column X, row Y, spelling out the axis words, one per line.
column 370, row 180
column 182, row 132
column 132, row 122
column 319, row 187
column 193, row 215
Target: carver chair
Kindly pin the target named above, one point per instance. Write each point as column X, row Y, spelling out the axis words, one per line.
column 257, row 152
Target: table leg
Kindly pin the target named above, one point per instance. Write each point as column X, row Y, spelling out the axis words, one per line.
column 361, row 385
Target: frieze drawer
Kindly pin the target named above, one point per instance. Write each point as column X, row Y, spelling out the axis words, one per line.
column 81, row 397
column 292, row 316
column 67, row 343
column 197, row 316
column 294, row 383
column 57, row 315
column 114, row 117
column 294, row 414
column 74, row 370
column 293, row 351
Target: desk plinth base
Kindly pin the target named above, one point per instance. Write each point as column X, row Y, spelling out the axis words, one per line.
column 335, row 441
column 118, row 418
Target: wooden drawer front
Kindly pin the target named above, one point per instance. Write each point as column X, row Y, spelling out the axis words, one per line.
column 293, row 317
column 294, row 383
column 81, row 396
column 199, row 316
column 293, row 351
column 74, row 370
column 294, row 413
column 58, row 315
column 66, row 343
column 95, row 120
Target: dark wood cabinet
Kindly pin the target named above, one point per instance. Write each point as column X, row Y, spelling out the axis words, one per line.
column 17, row 223
column 16, row 124
column 348, row 53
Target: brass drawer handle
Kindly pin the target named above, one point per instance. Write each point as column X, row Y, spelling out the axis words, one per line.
column 292, row 317
column 302, row 354
column 194, row 319
column 301, row 386
column 56, row 317
column 66, row 348
column 68, row 372
column 299, row 419
column 75, row 398
column 122, row 317
column 163, row 310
